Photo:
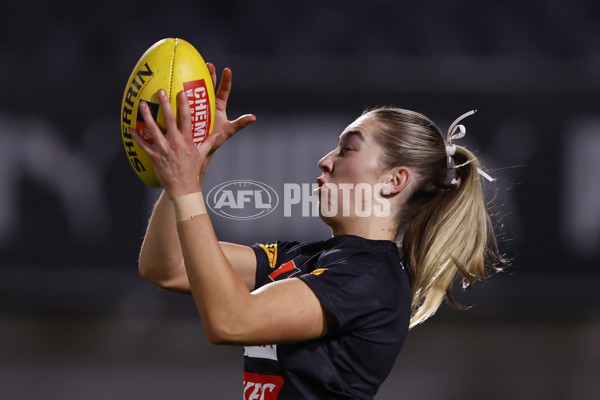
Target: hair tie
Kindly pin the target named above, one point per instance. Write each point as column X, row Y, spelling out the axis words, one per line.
column 457, row 131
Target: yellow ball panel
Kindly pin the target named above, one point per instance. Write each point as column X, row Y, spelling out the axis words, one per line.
column 173, row 65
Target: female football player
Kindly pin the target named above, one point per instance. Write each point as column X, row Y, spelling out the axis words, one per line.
column 325, row 319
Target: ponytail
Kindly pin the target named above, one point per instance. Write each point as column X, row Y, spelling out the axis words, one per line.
column 449, row 235
column 447, row 229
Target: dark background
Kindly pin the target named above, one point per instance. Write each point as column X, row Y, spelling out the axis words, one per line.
column 77, row 322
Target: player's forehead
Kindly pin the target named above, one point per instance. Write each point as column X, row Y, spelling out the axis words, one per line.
column 364, row 127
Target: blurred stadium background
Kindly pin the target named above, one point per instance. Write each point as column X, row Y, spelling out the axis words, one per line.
column 77, row 322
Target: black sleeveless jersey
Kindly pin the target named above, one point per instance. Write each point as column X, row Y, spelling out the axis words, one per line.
column 363, row 284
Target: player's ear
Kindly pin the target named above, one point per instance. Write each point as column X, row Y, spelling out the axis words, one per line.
column 396, row 180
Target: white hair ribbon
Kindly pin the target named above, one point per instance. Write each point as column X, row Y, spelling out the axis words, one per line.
column 457, row 131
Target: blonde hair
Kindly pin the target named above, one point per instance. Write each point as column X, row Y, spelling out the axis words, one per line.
column 447, row 231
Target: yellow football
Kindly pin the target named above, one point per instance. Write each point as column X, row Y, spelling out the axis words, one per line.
column 173, row 65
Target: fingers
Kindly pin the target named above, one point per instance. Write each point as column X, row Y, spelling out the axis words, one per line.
column 185, row 123
column 222, row 94
column 211, row 143
column 217, row 139
column 242, row 122
column 151, row 126
column 222, row 125
column 224, row 89
column 213, row 73
column 167, row 110
column 141, row 142
column 185, row 118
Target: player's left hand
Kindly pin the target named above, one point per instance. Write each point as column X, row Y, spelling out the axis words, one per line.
column 223, row 128
column 222, row 123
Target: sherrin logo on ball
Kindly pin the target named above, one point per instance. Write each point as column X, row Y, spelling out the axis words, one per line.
column 173, row 65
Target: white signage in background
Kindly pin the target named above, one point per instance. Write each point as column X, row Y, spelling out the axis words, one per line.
column 32, row 149
column 242, row 199
column 581, row 186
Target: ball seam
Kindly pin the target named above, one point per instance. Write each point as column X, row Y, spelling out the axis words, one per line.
column 172, row 69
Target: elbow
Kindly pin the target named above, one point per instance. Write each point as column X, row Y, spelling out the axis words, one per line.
column 224, row 334
column 150, row 275
column 215, row 338
column 165, row 276
column 145, row 272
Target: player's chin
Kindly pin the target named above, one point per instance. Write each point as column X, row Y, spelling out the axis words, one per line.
column 333, row 219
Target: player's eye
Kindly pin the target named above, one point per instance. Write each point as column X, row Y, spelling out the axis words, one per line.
column 343, row 150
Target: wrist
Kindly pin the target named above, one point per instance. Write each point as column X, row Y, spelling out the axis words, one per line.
column 189, row 206
column 182, row 190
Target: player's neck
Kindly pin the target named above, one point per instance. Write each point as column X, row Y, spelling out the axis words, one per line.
column 368, row 228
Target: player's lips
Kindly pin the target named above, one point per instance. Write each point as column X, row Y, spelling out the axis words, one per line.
column 320, row 182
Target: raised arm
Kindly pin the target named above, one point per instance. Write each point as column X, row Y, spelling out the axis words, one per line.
column 285, row 311
column 161, row 259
